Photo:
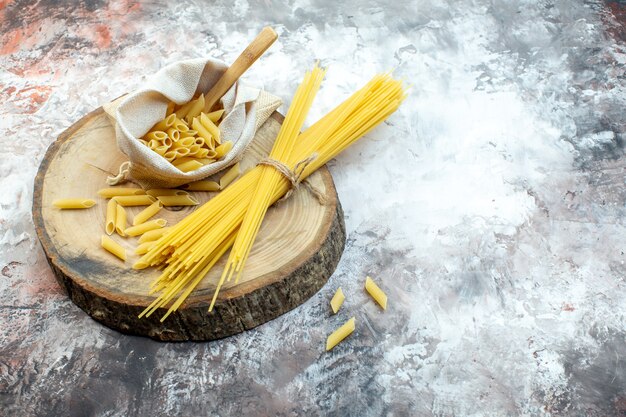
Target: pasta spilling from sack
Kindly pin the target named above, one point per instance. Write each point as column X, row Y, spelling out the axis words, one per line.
column 193, row 246
column 188, row 137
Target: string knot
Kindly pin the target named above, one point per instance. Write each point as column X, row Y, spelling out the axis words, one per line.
column 295, row 177
column 121, row 175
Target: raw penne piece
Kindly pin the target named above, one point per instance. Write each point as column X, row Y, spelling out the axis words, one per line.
column 170, row 108
column 143, row 142
column 166, row 142
column 134, row 200
column 161, row 149
column 155, row 135
column 113, row 247
column 173, row 134
column 202, row 131
column 193, row 149
column 145, row 227
column 204, row 185
column 215, row 115
column 110, row 218
column 211, row 127
column 73, row 203
column 184, row 143
column 181, row 125
column 165, row 124
column 195, row 110
column 180, row 152
column 223, row 149
column 376, row 293
column 202, row 153
column 153, row 235
column 144, row 248
column 120, row 219
column 189, row 166
column 148, row 212
column 155, row 192
column 341, row 333
column 230, row 176
column 118, row 192
column 188, row 133
column 206, row 161
column 178, row 200
column 337, row 300
column 182, row 112
column 170, row 155
column 153, row 144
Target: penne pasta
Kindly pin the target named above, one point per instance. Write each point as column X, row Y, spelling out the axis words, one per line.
column 206, row 161
column 211, row 127
column 341, row 333
column 165, row 124
column 118, row 192
column 173, row 134
column 188, row 166
column 182, row 112
column 193, row 150
column 146, row 213
column 110, row 217
column 161, row 150
column 143, row 142
column 73, row 203
column 204, row 185
column 202, row 132
column 376, row 293
column 113, row 247
column 188, row 133
column 223, row 149
column 170, row 155
column 145, row 227
column 178, row 200
column 194, row 111
column 230, row 176
column 153, row 144
column 202, row 153
column 134, row 200
column 181, row 125
column 215, row 115
column 184, row 143
column 199, row 141
column 155, row 135
column 152, row 235
column 180, row 152
column 120, row 219
column 144, row 248
column 155, row 192
column 167, row 142
column 337, row 300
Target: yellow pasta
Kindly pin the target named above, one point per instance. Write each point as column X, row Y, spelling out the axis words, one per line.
column 377, row 294
column 146, row 213
column 341, row 333
column 202, row 132
column 202, row 153
column 155, row 135
column 230, row 176
column 196, row 243
column 153, row 235
column 173, row 134
column 223, row 149
column 161, row 149
column 188, row 134
column 156, row 192
column 165, row 124
column 215, row 115
column 204, row 185
column 134, row 200
column 110, row 217
column 182, row 112
column 189, row 166
column 145, row 227
column 206, row 161
column 178, row 200
column 195, row 110
column 120, row 219
column 337, row 300
column 113, row 247
column 170, row 155
column 73, row 203
column 143, row 248
column 210, row 126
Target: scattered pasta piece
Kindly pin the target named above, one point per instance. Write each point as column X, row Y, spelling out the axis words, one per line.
column 178, row 200
column 341, row 333
column 148, row 212
column 337, row 300
column 110, row 217
column 152, row 235
column 144, row 248
column 73, row 203
column 113, row 247
column 202, row 186
column 134, row 200
column 157, row 192
column 145, row 227
column 120, row 220
column 115, row 192
column 376, row 293
column 230, row 176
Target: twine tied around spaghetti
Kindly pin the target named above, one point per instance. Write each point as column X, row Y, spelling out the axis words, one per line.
column 294, row 177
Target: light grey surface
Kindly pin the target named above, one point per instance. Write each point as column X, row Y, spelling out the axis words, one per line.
column 490, row 207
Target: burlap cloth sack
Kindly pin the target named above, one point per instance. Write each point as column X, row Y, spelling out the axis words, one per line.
column 246, row 109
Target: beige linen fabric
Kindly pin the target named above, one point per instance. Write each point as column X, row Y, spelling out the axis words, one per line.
column 246, row 109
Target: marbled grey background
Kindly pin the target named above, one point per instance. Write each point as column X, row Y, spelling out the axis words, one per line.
column 490, row 207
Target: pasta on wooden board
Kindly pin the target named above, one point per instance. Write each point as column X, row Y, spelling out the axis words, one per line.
column 120, row 219
column 115, row 192
column 146, row 213
column 134, row 200
column 73, row 203
column 113, row 247
column 109, row 225
column 145, row 227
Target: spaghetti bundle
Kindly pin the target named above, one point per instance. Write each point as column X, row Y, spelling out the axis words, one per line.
column 193, row 246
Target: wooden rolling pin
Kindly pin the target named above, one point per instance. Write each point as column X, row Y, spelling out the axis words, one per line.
column 244, row 61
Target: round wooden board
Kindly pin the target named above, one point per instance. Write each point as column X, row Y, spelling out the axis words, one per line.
column 297, row 249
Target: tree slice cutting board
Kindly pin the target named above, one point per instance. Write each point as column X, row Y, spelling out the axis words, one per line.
column 298, row 247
